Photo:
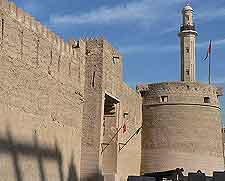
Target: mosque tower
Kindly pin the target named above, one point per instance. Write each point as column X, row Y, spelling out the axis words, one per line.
column 182, row 119
column 187, row 45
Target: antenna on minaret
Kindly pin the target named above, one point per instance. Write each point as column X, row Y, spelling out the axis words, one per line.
column 188, row 3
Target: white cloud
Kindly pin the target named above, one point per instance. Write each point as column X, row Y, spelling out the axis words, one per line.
column 143, row 48
column 209, row 14
column 137, row 49
column 144, row 10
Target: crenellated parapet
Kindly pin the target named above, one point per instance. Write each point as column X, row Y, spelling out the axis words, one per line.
column 26, row 40
column 31, row 23
column 180, row 92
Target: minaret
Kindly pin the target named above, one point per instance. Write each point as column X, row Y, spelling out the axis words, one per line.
column 187, row 45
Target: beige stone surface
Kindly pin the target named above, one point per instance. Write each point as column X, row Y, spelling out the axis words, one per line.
column 41, row 103
column 182, row 132
column 60, row 103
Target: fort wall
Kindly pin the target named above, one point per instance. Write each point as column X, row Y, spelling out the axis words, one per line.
column 104, row 77
column 131, row 116
column 41, row 99
column 129, row 113
column 55, row 91
column 92, row 110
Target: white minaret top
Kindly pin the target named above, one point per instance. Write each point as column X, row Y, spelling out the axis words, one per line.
column 187, row 15
column 187, row 45
column 187, row 8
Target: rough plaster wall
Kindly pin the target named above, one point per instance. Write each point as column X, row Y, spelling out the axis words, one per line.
column 92, row 110
column 181, row 136
column 183, row 132
column 40, row 106
column 128, row 161
column 109, row 156
column 113, row 70
column 129, row 158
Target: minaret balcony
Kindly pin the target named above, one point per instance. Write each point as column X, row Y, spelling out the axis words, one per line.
column 187, row 27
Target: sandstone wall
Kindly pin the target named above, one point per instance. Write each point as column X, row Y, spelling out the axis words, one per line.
column 52, row 104
column 92, row 110
column 184, row 130
column 129, row 158
column 41, row 100
column 106, row 62
column 113, row 70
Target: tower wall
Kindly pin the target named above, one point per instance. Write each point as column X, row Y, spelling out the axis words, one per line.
column 188, row 56
column 181, row 130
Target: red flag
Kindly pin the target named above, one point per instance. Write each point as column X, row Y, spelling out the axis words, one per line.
column 210, row 47
column 209, row 50
column 124, row 128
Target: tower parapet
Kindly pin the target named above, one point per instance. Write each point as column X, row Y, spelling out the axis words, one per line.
column 189, row 93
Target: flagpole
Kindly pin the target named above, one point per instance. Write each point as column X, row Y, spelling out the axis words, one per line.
column 136, row 132
column 210, row 68
column 210, row 46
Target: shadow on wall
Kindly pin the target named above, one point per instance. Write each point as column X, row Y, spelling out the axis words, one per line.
column 94, row 177
column 41, row 153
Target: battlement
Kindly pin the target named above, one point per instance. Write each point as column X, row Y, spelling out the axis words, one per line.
column 31, row 23
column 180, row 92
column 220, row 91
column 171, row 87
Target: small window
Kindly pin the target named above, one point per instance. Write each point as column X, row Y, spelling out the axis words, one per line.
column 114, row 59
column 188, row 18
column 188, row 72
column 206, row 100
column 187, row 50
column 93, row 79
column 164, row 99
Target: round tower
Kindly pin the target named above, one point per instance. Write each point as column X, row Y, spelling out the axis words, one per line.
column 181, row 127
column 182, row 120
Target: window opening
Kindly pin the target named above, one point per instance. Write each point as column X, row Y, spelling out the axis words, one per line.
column 164, row 99
column 206, row 100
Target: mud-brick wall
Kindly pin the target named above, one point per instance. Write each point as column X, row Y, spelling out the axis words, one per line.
column 129, row 158
column 184, row 130
column 92, row 111
column 113, row 69
column 41, row 100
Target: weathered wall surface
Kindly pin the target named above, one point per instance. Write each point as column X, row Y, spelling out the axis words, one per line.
column 92, row 109
column 113, row 70
column 129, row 158
column 41, row 100
column 183, row 130
column 223, row 138
column 106, row 62
column 52, row 104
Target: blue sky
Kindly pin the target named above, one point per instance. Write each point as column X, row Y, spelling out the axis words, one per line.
column 144, row 31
